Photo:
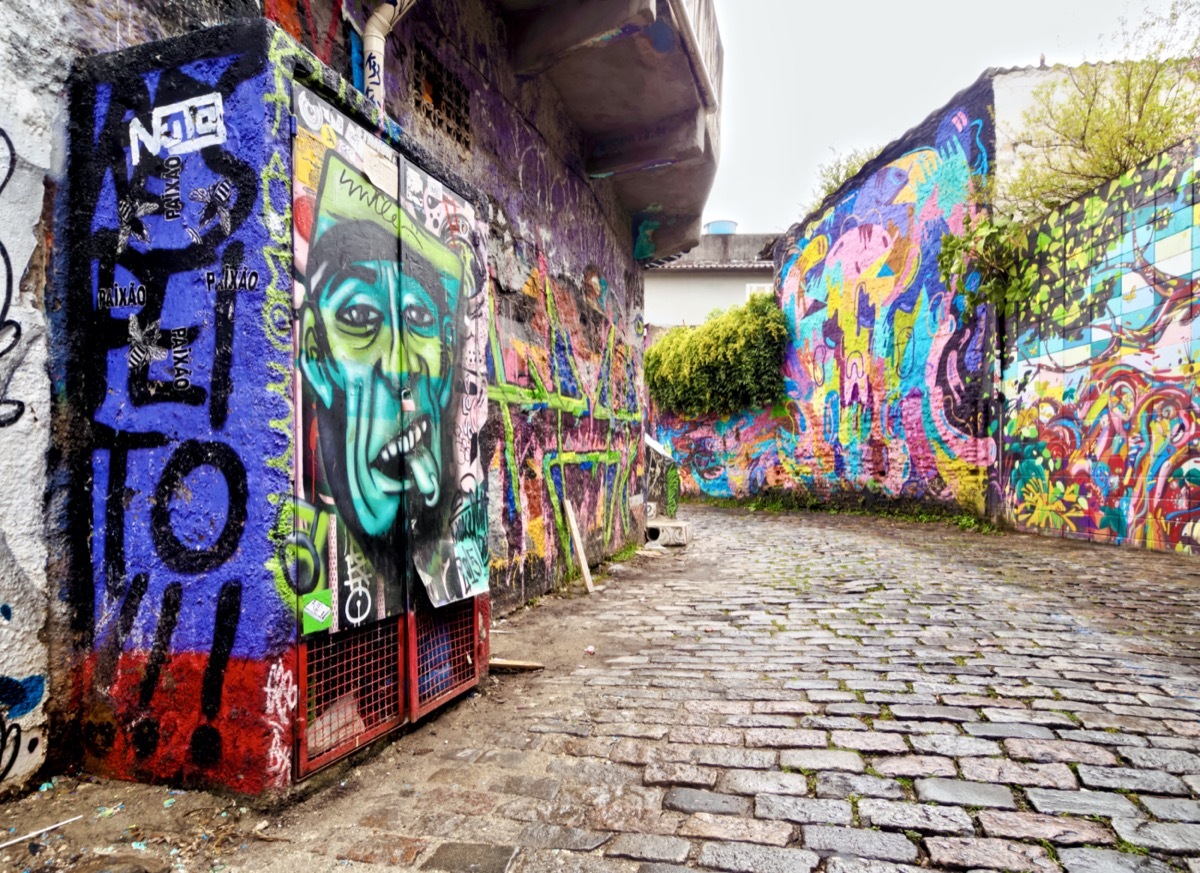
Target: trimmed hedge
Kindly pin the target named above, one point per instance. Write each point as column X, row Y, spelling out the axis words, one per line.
column 730, row 363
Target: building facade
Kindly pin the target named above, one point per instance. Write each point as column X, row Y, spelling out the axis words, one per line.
column 722, row 271
column 229, row 436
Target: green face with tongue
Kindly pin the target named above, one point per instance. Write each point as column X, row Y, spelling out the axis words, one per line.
column 377, row 349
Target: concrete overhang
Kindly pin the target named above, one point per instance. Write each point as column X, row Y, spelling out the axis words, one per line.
column 642, row 80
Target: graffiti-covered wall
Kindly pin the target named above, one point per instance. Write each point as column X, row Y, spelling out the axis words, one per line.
column 391, row 338
column 1102, row 411
column 176, row 372
column 564, row 348
column 563, row 354
column 887, row 373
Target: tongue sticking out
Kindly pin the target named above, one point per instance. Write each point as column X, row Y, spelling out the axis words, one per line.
column 422, row 467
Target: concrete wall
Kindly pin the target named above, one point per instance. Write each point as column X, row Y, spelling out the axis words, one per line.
column 1101, row 379
column 29, row 152
column 887, row 375
column 1013, row 96
column 676, row 297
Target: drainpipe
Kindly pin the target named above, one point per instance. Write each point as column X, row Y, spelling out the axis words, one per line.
column 379, row 25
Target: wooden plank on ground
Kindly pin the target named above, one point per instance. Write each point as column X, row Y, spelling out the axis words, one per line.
column 506, row 665
column 578, row 540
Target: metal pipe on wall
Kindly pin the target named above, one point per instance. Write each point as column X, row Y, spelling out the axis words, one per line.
column 379, row 25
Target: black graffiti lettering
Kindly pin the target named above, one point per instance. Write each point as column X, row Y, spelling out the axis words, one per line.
column 10, row 746
column 206, row 739
column 10, row 331
column 119, row 445
column 115, row 296
column 172, row 205
column 239, row 279
column 100, row 732
column 181, row 359
column 191, row 455
column 110, row 235
column 143, row 390
column 146, row 732
column 222, row 380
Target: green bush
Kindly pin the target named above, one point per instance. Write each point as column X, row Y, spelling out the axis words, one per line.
column 731, row 362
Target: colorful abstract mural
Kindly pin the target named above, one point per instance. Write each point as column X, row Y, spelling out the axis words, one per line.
column 1102, row 411
column 566, row 391
column 165, row 378
column 887, row 372
column 390, row 342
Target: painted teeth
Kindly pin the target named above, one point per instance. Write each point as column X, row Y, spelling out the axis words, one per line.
column 405, row 443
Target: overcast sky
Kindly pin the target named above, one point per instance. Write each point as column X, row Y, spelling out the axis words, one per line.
column 804, row 80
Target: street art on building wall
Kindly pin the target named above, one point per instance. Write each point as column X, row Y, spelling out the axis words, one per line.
column 174, row 371
column 391, row 347
column 887, row 374
column 565, row 366
column 1102, row 418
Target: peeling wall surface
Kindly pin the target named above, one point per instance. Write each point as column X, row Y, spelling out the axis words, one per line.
column 887, row 375
column 28, row 139
column 1101, row 379
column 176, row 345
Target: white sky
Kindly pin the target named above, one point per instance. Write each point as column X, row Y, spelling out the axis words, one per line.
column 805, row 79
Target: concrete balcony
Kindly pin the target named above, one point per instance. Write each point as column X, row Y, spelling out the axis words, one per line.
column 642, row 80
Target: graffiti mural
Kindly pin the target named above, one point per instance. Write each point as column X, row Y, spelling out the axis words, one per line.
column 887, row 373
column 167, row 373
column 390, row 341
column 1102, row 415
column 567, row 397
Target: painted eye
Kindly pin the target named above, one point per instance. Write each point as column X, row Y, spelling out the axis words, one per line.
column 361, row 316
column 418, row 317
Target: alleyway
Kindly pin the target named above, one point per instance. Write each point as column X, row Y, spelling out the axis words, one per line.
column 795, row 692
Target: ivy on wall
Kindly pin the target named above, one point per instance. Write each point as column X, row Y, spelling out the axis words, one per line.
column 730, row 363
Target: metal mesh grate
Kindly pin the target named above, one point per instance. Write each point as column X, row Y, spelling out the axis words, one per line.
column 445, row 650
column 354, row 688
column 441, row 98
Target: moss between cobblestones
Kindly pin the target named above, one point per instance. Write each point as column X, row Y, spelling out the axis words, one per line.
column 1130, row 848
column 777, row 500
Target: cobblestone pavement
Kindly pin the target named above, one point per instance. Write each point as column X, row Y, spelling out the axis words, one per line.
column 811, row 692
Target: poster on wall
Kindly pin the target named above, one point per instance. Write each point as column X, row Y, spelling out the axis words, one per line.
column 392, row 390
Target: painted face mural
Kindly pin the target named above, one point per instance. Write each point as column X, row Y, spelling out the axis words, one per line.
column 377, row 343
column 385, row 323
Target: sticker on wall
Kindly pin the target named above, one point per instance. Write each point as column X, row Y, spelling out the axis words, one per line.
column 390, row 305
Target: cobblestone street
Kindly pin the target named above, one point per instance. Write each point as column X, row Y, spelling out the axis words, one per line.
column 788, row 693
column 799, row 692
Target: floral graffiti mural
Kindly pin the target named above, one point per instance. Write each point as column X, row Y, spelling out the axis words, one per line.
column 1102, row 424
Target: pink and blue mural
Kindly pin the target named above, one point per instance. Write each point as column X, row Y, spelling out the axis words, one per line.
column 887, row 372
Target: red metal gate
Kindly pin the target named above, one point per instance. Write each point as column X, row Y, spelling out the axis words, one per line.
column 357, row 685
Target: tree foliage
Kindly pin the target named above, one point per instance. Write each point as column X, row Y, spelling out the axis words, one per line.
column 1097, row 121
column 731, row 362
column 832, row 174
column 1086, row 126
column 987, row 263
